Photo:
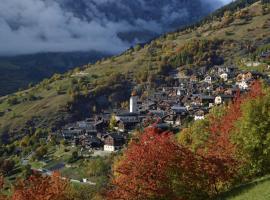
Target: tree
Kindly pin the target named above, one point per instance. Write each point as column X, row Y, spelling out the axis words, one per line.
column 252, row 135
column 41, row 152
column 13, row 100
column 113, row 122
column 74, row 157
column 26, row 171
column 213, row 140
column 155, row 166
column 38, row 187
column 98, row 167
column 6, row 166
column 2, row 184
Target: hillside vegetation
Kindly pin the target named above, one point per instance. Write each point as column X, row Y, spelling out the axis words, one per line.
column 258, row 189
column 18, row 72
column 226, row 37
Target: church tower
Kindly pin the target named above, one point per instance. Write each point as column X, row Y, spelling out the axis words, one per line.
column 133, row 103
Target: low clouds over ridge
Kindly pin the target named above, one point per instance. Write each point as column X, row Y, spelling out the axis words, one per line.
column 32, row 26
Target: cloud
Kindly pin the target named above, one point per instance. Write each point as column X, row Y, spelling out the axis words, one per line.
column 32, row 26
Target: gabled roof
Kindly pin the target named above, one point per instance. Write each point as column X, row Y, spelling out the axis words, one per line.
column 126, row 114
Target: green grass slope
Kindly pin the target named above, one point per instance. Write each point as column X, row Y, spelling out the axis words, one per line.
column 82, row 91
column 19, row 71
column 257, row 190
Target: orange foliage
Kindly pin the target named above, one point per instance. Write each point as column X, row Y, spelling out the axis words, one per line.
column 219, row 144
column 220, row 151
column 2, row 183
column 154, row 167
column 39, row 187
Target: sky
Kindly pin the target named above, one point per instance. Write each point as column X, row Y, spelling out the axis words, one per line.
column 32, row 26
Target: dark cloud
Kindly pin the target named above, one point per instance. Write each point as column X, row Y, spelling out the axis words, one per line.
column 31, row 26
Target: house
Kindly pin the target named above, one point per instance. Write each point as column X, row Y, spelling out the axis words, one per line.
column 204, row 99
column 218, row 100
column 91, row 142
column 224, row 76
column 157, row 113
column 178, row 109
column 225, row 69
column 244, row 77
column 208, row 79
column 88, row 125
column 127, row 117
column 242, row 85
column 199, row 115
column 253, row 64
column 227, row 97
column 126, row 121
column 172, row 119
column 71, row 133
column 125, row 126
column 113, row 142
column 265, row 55
column 161, row 126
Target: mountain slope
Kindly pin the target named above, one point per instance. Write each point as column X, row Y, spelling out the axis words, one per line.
column 80, row 32
column 81, row 92
column 20, row 71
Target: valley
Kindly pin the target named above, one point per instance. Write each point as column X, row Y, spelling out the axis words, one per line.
column 185, row 115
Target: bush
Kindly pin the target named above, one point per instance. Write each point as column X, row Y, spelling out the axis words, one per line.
column 13, row 100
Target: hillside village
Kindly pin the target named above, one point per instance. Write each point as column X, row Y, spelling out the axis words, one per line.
column 167, row 108
column 121, row 124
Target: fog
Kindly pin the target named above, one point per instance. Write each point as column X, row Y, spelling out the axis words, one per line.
column 32, row 26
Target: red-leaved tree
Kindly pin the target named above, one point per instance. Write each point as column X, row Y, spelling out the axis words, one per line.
column 155, row 166
column 220, row 151
column 39, row 187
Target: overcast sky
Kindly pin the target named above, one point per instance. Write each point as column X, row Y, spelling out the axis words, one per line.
column 31, row 26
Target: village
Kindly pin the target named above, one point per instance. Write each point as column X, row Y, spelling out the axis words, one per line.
column 169, row 108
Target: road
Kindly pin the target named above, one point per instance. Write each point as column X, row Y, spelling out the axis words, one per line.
column 47, row 172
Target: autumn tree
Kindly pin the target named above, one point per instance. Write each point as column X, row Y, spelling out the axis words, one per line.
column 2, row 184
column 252, row 135
column 155, row 166
column 39, row 187
column 213, row 139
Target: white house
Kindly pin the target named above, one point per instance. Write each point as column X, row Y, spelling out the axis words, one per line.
column 253, row 64
column 178, row 92
column 242, row 85
column 113, row 142
column 109, row 148
column 208, row 79
column 218, row 100
column 224, row 76
column 199, row 115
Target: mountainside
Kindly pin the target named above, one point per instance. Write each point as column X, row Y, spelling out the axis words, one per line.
column 87, row 30
column 18, row 72
column 82, row 92
column 147, row 18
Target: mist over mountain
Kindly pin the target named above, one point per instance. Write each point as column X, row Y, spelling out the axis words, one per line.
column 41, row 37
column 108, row 26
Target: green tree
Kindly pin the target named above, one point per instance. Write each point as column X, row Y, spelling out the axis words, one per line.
column 13, row 100
column 41, row 152
column 253, row 134
column 26, row 171
column 113, row 122
column 74, row 157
